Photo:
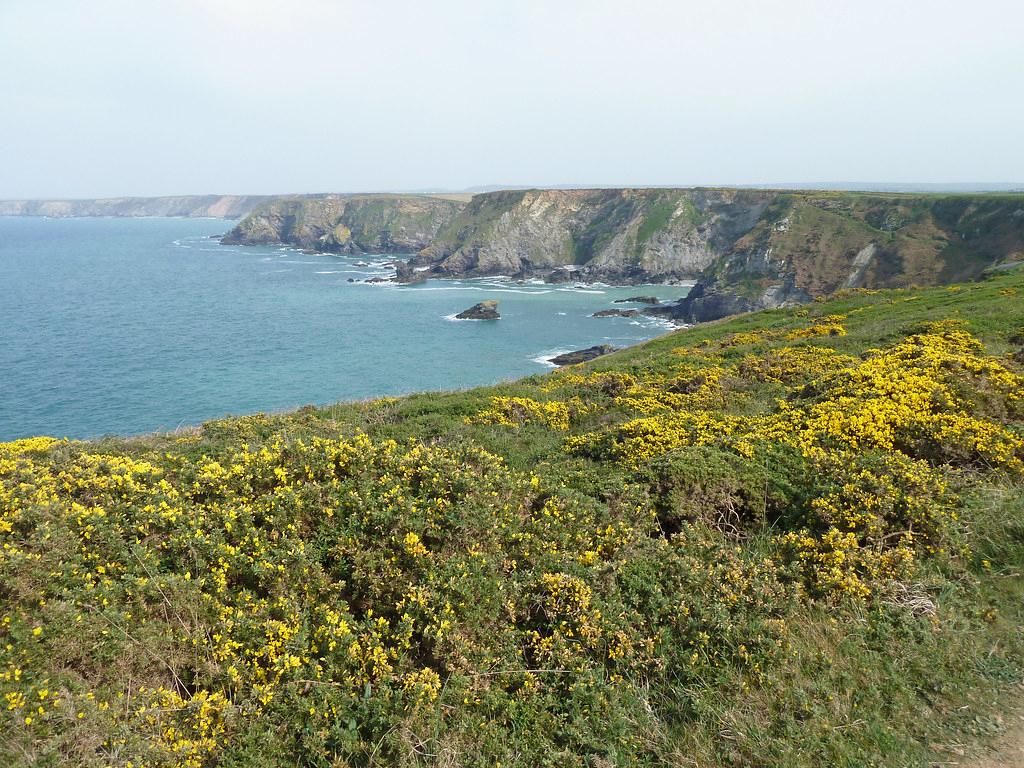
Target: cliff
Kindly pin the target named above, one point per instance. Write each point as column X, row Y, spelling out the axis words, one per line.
column 623, row 235
column 348, row 223
column 806, row 245
column 208, row 206
column 746, row 249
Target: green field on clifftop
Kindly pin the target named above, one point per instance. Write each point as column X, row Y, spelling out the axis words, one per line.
column 792, row 538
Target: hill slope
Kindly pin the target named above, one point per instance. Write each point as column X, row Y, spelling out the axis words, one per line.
column 790, row 539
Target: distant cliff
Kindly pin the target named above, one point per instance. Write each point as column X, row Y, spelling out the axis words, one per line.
column 746, row 249
column 348, row 223
column 211, row 206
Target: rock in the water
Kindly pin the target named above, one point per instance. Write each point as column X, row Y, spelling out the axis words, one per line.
column 638, row 300
column 405, row 273
column 582, row 355
column 485, row 310
column 617, row 313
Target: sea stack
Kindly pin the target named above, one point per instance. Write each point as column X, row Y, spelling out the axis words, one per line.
column 485, row 310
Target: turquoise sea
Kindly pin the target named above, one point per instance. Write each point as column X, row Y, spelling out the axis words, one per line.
column 133, row 325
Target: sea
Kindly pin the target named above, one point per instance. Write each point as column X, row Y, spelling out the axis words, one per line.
column 127, row 326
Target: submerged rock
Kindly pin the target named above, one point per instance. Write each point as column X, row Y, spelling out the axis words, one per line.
column 638, row 300
column 582, row 355
column 617, row 313
column 485, row 310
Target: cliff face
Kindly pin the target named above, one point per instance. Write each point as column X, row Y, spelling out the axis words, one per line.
column 348, row 223
column 813, row 244
column 747, row 249
column 210, row 206
column 617, row 234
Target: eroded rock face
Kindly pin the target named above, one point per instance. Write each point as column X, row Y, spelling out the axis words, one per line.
column 583, row 355
column 485, row 310
column 347, row 223
column 620, row 235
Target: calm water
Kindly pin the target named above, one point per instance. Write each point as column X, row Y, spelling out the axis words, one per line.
column 133, row 325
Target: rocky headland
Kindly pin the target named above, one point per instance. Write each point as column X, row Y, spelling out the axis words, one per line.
column 744, row 249
column 351, row 224
column 583, row 355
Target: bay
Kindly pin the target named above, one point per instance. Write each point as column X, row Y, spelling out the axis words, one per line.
column 125, row 326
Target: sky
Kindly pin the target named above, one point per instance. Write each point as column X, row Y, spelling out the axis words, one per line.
column 121, row 97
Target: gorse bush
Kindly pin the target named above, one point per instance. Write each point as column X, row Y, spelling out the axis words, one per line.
column 307, row 590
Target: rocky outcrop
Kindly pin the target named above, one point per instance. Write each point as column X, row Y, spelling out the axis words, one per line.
column 583, row 355
column 617, row 313
column 407, row 274
column 348, row 223
column 485, row 310
column 639, row 300
column 204, row 206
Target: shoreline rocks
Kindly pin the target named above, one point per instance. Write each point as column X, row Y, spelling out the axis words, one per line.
column 652, row 300
column 485, row 310
column 405, row 273
column 583, row 355
column 617, row 313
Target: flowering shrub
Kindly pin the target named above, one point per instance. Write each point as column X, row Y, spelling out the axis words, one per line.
column 515, row 411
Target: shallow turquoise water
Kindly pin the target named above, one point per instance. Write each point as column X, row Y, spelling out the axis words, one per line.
column 133, row 325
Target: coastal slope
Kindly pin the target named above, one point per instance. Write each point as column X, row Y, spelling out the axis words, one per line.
column 792, row 539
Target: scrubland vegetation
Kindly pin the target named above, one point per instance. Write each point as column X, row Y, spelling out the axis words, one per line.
column 792, row 538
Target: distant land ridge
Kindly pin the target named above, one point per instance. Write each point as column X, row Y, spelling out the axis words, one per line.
column 207, row 206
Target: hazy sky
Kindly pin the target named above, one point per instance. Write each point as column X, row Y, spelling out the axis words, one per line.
column 147, row 97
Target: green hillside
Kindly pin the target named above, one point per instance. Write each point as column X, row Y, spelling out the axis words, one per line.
column 794, row 538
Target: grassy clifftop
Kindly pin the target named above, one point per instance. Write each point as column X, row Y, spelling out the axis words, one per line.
column 790, row 539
